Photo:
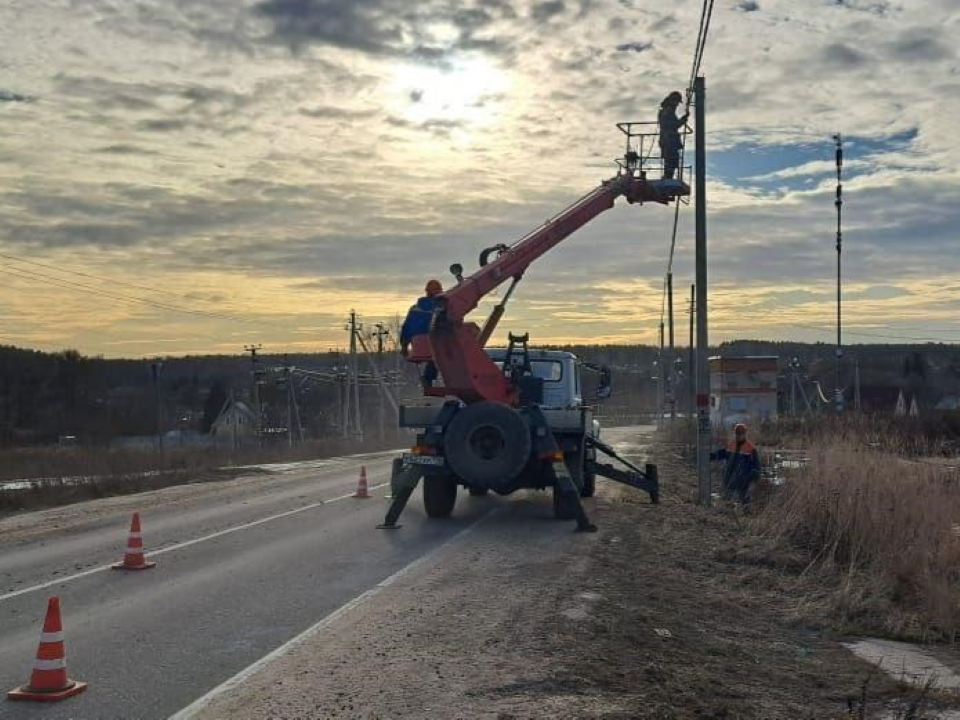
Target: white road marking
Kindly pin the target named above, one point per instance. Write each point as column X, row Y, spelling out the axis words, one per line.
column 197, row 705
column 187, row 543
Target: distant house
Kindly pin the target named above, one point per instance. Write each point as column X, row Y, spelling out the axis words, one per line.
column 743, row 389
column 236, row 422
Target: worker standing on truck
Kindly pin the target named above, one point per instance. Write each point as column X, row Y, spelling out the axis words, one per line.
column 670, row 125
column 742, row 468
column 417, row 322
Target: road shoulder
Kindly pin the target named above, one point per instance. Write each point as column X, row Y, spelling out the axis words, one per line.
column 527, row 619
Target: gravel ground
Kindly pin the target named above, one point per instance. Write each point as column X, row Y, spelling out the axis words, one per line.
column 524, row 619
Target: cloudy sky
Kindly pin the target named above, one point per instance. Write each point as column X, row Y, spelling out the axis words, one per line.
column 183, row 176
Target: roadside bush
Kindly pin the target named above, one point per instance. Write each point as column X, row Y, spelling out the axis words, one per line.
column 877, row 516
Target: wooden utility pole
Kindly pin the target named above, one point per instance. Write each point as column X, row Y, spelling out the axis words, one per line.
column 343, row 398
column 378, row 377
column 703, row 372
column 255, row 394
column 155, row 368
column 354, row 377
column 380, row 332
column 293, row 412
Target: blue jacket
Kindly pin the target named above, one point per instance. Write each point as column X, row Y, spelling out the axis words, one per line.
column 418, row 319
column 743, row 464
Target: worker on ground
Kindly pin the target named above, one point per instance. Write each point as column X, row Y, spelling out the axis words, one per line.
column 670, row 126
column 742, row 468
column 417, row 322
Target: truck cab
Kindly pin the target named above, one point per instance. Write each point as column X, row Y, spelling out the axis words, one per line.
column 489, row 454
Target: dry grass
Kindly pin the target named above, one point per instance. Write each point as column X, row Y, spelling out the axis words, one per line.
column 877, row 529
column 72, row 474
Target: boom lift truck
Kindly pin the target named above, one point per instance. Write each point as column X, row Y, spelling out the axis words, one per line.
column 515, row 418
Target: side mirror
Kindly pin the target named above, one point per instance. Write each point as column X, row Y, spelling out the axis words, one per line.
column 457, row 271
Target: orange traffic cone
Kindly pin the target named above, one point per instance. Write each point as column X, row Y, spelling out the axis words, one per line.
column 133, row 558
column 49, row 680
column 362, row 490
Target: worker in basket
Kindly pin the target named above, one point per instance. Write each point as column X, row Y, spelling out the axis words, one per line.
column 742, row 468
column 670, row 125
column 417, row 322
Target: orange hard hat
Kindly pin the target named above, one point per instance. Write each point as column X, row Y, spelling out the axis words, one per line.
column 433, row 288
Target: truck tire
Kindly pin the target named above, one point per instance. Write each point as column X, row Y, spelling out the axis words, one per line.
column 564, row 506
column 439, row 495
column 488, row 445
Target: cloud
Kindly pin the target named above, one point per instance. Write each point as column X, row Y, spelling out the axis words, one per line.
column 391, row 28
column 843, row 55
column 13, row 97
column 355, row 147
column 342, row 23
column 637, row 47
column 124, row 149
column 547, row 9
column 921, row 45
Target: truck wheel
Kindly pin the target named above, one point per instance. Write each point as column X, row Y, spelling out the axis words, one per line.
column 477, row 492
column 589, row 485
column 439, row 495
column 487, row 444
column 564, row 506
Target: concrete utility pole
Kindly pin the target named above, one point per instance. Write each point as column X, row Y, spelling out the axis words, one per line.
column 703, row 371
column 793, row 367
column 691, row 364
column 660, row 371
column 839, row 204
column 253, row 350
column 856, row 386
column 672, row 384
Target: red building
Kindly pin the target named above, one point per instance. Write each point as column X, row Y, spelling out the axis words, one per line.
column 743, row 389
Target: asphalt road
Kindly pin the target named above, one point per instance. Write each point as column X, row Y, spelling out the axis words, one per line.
column 239, row 572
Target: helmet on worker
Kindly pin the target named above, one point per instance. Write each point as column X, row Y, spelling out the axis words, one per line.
column 674, row 98
column 740, row 430
column 433, row 288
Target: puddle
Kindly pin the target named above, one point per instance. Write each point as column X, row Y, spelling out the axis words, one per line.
column 906, row 662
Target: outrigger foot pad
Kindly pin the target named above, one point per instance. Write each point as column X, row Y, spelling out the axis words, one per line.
column 389, row 526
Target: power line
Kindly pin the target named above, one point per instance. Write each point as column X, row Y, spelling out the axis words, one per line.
column 17, row 258
column 83, row 287
column 706, row 13
column 876, row 335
